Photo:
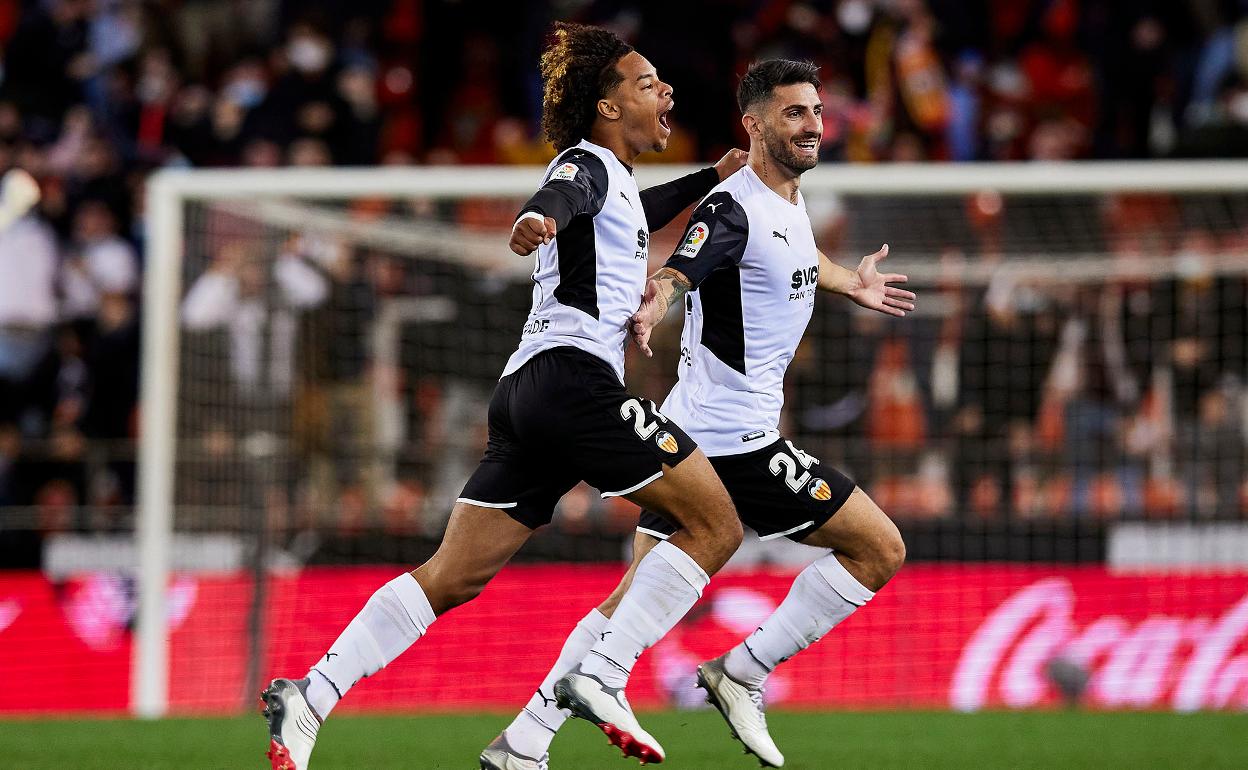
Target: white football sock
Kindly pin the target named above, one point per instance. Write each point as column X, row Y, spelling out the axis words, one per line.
column 666, row 585
column 823, row 595
column 531, row 732
column 392, row 619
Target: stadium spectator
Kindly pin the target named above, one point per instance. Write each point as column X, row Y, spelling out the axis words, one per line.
column 1209, row 445
column 257, row 312
column 99, row 262
column 1007, row 347
column 1105, row 348
column 28, row 306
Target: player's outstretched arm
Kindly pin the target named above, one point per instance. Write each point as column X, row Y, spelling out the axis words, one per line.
column 576, row 185
column 664, row 289
column 664, row 201
column 867, row 286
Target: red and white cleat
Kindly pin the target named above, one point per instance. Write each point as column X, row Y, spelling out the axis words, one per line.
column 293, row 724
column 589, row 699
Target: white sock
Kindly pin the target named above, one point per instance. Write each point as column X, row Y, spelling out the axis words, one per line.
column 823, row 595
column 392, row 619
column 666, row 585
column 531, row 732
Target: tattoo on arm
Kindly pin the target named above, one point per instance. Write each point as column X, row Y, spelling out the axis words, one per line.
column 673, row 285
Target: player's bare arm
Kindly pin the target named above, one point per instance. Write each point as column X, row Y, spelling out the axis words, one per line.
column 867, row 286
column 664, row 289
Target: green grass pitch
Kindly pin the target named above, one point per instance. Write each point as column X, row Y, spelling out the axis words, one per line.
column 699, row 739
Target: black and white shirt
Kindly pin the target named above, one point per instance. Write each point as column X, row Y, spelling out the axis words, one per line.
column 589, row 280
column 750, row 254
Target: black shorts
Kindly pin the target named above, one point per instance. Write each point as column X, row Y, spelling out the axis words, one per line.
column 562, row 418
column 779, row 491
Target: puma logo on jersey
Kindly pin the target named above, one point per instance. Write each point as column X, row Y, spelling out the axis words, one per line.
column 784, row 237
column 626, row 198
column 712, row 206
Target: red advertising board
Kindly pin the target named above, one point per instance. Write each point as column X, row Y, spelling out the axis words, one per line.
column 939, row 636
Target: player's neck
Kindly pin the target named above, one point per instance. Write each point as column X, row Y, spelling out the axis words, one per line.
column 616, row 144
column 777, row 176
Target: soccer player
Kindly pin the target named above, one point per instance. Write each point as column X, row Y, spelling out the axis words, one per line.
column 748, row 270
column 560, row 413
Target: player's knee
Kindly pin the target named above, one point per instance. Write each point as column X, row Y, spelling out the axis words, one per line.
column 889, row 553
column 734, row 533
column 894, row 553
column 726, row 535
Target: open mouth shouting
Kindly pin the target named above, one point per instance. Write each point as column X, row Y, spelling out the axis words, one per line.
column 664, row 122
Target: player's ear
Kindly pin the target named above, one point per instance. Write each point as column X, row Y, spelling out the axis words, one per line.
column 608, row 109
column 751, row 125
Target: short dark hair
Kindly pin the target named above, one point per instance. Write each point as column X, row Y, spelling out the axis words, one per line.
column 761, row 79
column 578, row 69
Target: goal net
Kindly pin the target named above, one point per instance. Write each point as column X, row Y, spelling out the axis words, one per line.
column 321, row 346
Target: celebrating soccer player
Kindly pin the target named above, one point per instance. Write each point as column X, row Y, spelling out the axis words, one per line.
column 750, row 269
column 560, row 413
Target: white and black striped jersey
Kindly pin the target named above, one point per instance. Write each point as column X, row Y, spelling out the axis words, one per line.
column 750, row 254
column 589, row 280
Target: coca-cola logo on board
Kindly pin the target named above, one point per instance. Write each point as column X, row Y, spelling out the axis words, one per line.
column 1162, row 661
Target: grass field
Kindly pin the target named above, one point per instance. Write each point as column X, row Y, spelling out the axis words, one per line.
column 811, row 741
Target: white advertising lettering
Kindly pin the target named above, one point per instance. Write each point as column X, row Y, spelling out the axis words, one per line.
column 1161, row 661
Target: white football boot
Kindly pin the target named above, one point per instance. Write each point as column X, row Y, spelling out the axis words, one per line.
column 292, row 724
column 499, row 755
column 742, row 708
column 589, row 699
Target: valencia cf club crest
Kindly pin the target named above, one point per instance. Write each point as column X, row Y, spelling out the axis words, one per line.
column 667, row 442
column 819, row 490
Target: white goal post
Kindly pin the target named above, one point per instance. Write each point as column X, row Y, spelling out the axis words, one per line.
column 169, row 191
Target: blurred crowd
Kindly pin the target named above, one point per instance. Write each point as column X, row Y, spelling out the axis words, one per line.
column 96, row 94
column 1107, row 382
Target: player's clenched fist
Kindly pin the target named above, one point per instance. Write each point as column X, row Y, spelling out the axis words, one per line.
column 531, row 232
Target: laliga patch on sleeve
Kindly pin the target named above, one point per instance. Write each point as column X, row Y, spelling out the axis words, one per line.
column 694, row 238
column 565, row 173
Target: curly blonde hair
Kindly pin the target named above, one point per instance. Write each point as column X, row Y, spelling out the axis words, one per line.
column 578, row 69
